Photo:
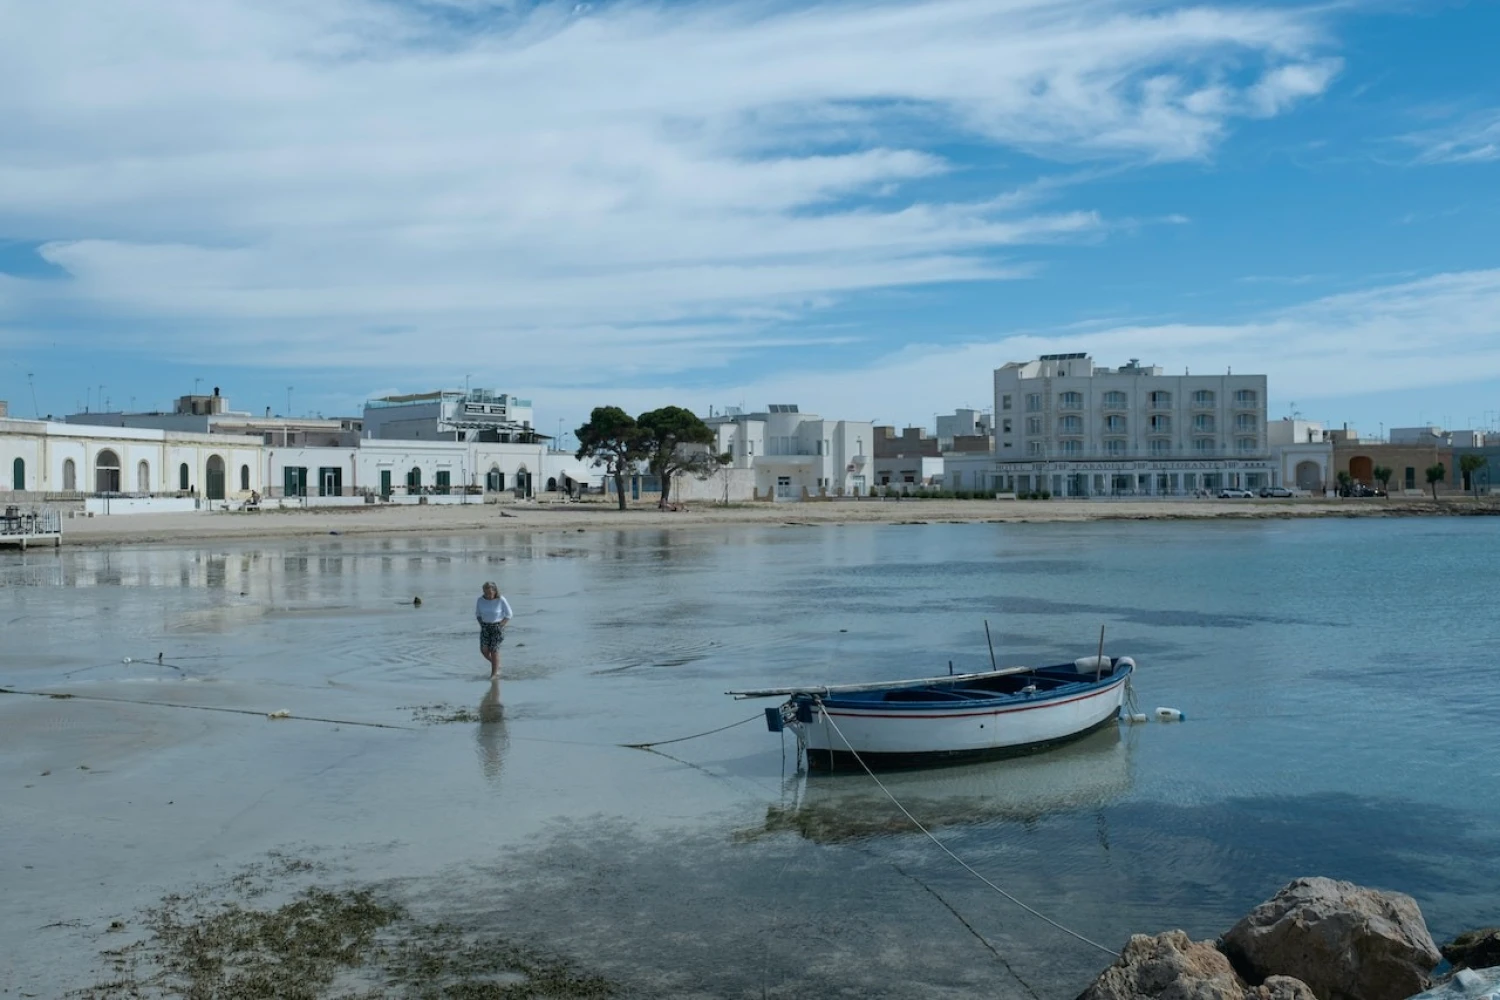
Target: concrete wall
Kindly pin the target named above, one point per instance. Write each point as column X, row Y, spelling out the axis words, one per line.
column 112, row 506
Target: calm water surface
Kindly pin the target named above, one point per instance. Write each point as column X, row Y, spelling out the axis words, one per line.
column 1338, row 679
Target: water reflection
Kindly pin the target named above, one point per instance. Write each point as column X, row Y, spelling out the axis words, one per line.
column 834, row 808
column 491, row 732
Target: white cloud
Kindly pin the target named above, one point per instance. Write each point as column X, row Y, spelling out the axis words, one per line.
column 574, row 188
column 1475, row 140
column 1436, row 331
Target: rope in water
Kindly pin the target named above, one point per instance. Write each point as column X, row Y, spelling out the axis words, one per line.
column 683, row 739
column 944, row 847
column 201, row 708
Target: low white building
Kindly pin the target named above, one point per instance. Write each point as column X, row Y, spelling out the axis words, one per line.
column 787, row 455
column 210, row 414
column 393, row 468
column 1301, row 455
column 48, row 460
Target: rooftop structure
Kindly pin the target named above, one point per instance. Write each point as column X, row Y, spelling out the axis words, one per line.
column 451, row 415
column 210, row 414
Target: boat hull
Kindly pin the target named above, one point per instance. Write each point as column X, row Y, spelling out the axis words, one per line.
column 925, row 735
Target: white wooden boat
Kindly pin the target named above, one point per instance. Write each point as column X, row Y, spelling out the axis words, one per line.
column 949, row 719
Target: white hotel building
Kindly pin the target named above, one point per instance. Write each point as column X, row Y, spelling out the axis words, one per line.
column 1065, row 426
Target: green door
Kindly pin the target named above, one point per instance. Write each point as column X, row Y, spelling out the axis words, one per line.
column 294, row 482
column 442, row 482
column 385, row 482
column 18, row 475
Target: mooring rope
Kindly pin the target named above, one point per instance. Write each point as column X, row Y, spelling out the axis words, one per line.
column 683, row 739
column 65, row 696
column 944, row 847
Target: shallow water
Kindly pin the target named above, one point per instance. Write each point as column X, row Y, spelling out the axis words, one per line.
column 1335, row 675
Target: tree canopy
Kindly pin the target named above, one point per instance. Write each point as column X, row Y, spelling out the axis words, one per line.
column 613, row 439
column 674, row 441
column 1436, row 474
column 1470, row 464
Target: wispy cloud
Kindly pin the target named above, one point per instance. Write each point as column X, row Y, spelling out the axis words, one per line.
column 571, row 186
column 1474, row 140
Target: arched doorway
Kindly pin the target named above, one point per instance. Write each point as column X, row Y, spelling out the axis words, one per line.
column 244, row 479
column 143, row 477
column 70, row 476
column 523, row 483
column 1309, row 476
column 184, row 482
column 494, row 480
column 551, row 484
column 18, row 474
column 215, row 480
column 414, row 480
column 106, row 472
column 1362, row 469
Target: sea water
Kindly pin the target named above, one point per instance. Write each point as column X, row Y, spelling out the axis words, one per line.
column 1338, row 680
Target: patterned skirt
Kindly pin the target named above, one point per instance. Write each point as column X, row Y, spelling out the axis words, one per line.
column 491, row 635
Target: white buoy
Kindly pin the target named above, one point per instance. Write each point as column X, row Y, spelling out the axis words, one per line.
column 1136, row 717
column 1171, row 714
column 128, row 660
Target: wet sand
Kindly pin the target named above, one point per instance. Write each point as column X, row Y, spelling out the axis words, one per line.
column 545, row 516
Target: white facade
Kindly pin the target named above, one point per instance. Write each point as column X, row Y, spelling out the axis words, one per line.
column 200, row 414
column 910, row 471
column 41, row 457
column 791, row 454
column 1070, row 428
column 1301, row 455
column 407, row 468
column 474, row 415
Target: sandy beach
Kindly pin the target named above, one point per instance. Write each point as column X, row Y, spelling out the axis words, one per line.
column 544, row 516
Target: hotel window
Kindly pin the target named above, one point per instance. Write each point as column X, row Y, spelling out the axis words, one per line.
column 1161, row 424
column 1070, row 401
column 1203, row 422
column 1072, row 447
column 1244, row 423
column 1114, row 400
column 1033, row 402
column 1159, row 447
column 1246, row 397
column 1005, row 402
column 1161, row 400
column 1005, row 425
column 1204, row 445
column 1070, row 425
column 1203, row 397
column 1033, row 425
column 1245, row 444
column 1033, row 447
column 1115, row 424
column 1114, row 447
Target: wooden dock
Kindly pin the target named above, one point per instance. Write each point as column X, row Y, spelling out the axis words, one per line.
column 37, row 527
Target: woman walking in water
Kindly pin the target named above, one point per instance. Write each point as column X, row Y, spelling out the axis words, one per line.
column 492, row 611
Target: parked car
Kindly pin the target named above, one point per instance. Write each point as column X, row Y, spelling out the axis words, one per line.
column 1231, row 493
column 1361, row 490
column 1276, row 491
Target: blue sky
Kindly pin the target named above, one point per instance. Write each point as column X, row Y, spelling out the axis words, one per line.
column 862, row 208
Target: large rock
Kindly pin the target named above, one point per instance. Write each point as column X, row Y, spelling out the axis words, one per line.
column 1343, row 940
column 1474, row 949
column 1172, row 966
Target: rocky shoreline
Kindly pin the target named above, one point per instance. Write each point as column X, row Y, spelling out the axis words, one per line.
column 1316, row 939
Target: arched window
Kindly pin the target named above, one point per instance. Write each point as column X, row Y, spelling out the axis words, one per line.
column 494, row 480
column 414, row 479
column 1161, row 400
column 551, row 483
column 183, row 481
column 1203, row 398
column 1114, row 400
column 214, row 481
column 107, row 472
column 1070, row 401
column 70, row 476
column 244, row 479
column 1246, row 397
column 18, row 474
column 143, row 477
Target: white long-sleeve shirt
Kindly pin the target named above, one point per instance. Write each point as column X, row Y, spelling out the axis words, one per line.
column 492, row 612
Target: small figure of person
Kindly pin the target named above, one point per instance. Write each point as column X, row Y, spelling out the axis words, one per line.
column 492, row 611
